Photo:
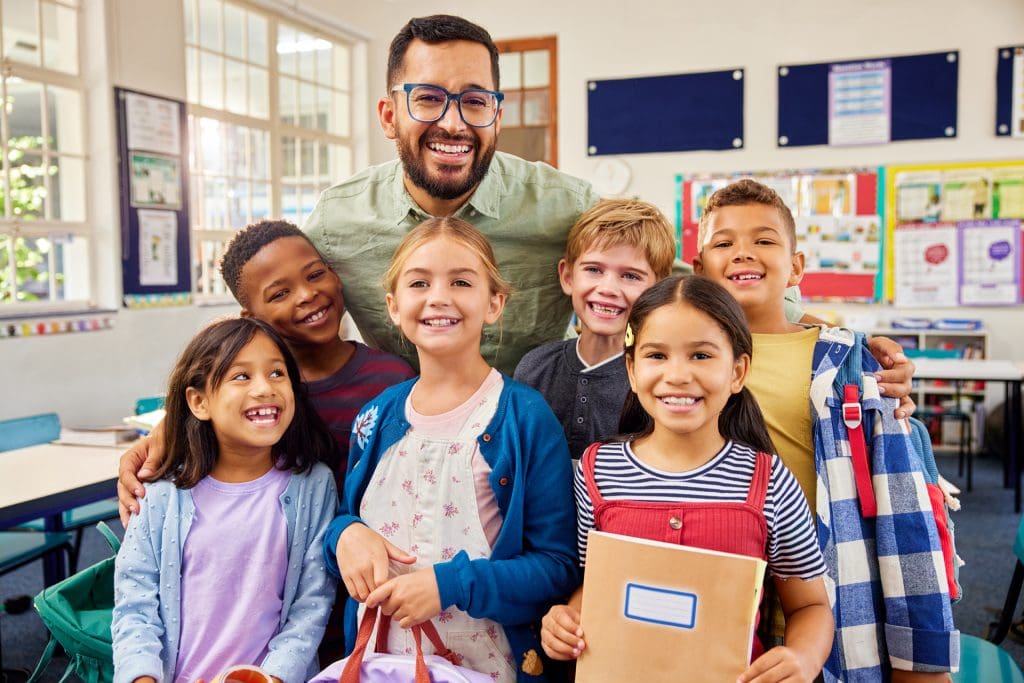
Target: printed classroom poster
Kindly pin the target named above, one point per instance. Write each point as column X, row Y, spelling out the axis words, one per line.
column 1017, row 115
column 158, row 251
column 926, row 273
column 990, row 262
column 860, row 103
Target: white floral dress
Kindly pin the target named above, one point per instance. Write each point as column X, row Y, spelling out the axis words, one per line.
column 423, row 499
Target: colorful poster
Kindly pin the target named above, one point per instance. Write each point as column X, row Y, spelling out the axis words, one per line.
column 848, row 244
column 965, row 195
column 158, row 251
column 156, row 181
column 860, row 103
column 1008, row 193
column 927, row 263
column 154, row 124
column 827, row 194
column 990, row 262
column 700, row 190
column 918, row 197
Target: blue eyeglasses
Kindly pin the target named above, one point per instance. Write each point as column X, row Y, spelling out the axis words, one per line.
column 429, row 103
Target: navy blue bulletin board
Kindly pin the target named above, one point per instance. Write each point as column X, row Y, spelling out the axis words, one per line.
column 161, row 129
column 676, row 113
column 924, row 99
column 1004, row 88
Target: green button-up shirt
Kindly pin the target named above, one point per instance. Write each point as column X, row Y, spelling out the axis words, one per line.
column 524, row 208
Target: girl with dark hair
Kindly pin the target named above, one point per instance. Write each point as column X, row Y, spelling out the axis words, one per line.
column 223, row 565
column 694, row 468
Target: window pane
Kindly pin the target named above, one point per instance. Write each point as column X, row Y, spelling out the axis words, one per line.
column 21, row 31
column 260, row 201
column 307, row 47
column 6, row 281
column 237, row 100
column 325, row 64
column 234, row 31
column 535, row 108
column 237, row 142
column 67, row 186
column 259, row 93
column 191, row 75
column 60, row 38
column 27, row 186
column 208, row 280
column 307, row 159
column 338, row 116
column 209, row 24
column 307, row 104
column 238, row 204
column 288, row 157
column 214, row 203
column 24, row 102
column 190, row 22
column 38, row 274
column 536, row 71
column 287, row 89
column 512, row 109
column 210, row 146
column 287, row 62
column 511, row 64
column 64, row 112
column 342, row 66
column 260, row 154
column 257, row 39
column 323, row 168
column 210, row 67
column 309, row 195
column 290, row 203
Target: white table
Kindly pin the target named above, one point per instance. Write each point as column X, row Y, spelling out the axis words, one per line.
column 45, row 480
column 1011, row 374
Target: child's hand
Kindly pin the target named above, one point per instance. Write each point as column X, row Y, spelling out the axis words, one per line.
column 896, row 377
column 410, row 599
column 561, row 635
column 363, row 557
column 778, row 664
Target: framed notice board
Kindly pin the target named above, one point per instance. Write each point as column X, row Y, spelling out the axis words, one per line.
column 152, row 146
column 868, row 101
column 676, row 113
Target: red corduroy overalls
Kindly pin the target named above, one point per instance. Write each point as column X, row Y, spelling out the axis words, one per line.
column 737, row 528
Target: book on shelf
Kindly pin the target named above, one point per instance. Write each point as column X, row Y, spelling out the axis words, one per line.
column 652, row 611
column 116, row 435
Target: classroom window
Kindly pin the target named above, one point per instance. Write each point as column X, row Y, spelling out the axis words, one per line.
column 529, row 79
column 44, row 232
column 270, row 117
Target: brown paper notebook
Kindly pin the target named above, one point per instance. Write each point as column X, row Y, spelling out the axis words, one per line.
column 658, row 612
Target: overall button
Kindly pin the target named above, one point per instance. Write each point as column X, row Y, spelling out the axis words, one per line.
column 487, row 437
column 503, row 481
column 583, row 399
column 583, row 382
column 675, row 523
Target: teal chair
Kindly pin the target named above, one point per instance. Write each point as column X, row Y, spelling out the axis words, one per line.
column 36, row 429
column 984, row 660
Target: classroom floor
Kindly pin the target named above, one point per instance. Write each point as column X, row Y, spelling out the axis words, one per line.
column 985, row 530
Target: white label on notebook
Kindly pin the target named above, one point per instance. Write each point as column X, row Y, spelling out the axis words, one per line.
column 660, row 606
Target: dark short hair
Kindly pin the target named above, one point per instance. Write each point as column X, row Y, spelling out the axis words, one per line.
column 742, row 193
column 741, row 420
column 191, row 444
column 246, row 243
column 439, row 28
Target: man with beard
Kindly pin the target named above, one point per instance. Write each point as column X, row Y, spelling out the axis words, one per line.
column 442, row 109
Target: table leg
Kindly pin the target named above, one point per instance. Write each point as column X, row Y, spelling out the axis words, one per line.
column 54, row 568
column 1007, row 414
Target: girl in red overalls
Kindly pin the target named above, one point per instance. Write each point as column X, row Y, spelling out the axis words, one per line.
column 694, row 468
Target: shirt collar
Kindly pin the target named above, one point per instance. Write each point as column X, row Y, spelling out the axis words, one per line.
column 485, row 200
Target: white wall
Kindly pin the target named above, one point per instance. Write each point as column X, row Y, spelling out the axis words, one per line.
column 95, row 377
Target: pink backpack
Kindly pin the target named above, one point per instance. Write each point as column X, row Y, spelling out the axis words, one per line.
column 382, row 667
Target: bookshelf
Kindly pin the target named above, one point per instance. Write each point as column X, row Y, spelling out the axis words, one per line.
column 938, row 397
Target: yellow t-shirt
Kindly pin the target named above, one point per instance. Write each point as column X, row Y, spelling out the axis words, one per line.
column 780, row 379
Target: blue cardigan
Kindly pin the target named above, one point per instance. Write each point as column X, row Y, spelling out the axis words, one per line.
column 147, row 581
column 533, row 563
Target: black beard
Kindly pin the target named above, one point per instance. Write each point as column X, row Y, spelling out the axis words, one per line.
column 416, row 171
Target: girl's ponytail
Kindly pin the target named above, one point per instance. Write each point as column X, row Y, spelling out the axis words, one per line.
column 742, row 421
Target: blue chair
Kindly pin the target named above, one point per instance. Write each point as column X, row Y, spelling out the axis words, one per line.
column 984, row 660
column 36, row 429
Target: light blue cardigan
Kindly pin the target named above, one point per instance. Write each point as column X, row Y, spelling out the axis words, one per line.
column 147, row 581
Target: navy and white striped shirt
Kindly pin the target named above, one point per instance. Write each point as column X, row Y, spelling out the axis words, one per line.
column 792, row 545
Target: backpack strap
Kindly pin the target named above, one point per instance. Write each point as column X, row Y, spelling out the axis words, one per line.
column 849, row 376
column 588, row 462
column 758, row 490
column 44, row 660
column 112, row 540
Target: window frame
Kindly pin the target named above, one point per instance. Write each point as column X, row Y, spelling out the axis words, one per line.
column 549, row 43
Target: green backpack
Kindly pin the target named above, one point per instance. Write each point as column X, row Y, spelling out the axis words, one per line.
column 78, row 613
